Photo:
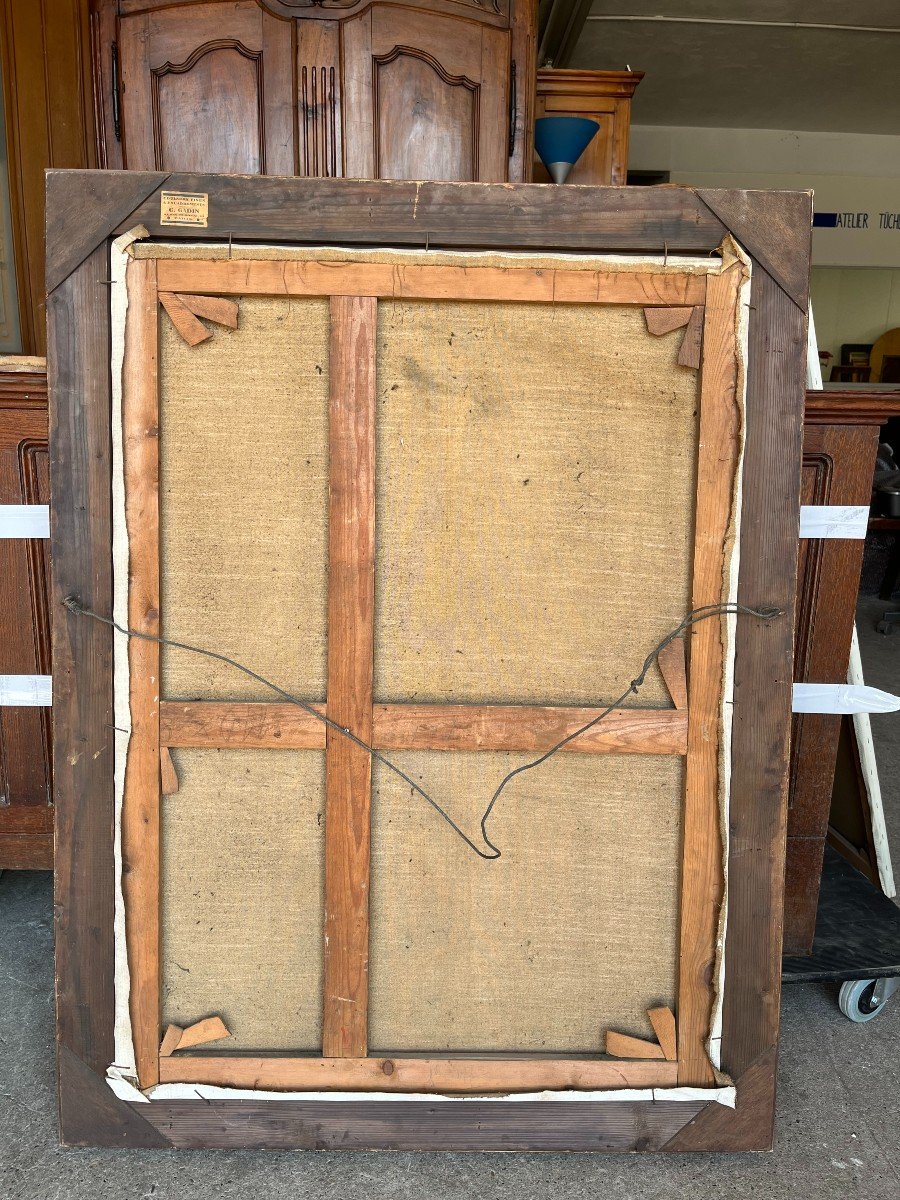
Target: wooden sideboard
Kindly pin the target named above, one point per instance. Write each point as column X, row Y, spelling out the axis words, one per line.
column 840, row 440
column 26, row 816
column 604, row 97
column 426, row 89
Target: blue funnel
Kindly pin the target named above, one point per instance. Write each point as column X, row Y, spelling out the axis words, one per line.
column 561, row 141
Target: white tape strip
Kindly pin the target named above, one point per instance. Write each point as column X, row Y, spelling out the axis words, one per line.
column 834, row 520
column 26, row 691
column 842, row 698
column 24, row 520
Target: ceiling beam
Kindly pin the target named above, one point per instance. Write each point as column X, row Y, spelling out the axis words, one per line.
column 560, row 23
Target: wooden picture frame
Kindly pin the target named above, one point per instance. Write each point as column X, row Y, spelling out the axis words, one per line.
column 86, row 210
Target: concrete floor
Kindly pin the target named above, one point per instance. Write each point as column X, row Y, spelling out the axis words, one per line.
column 838, row 1110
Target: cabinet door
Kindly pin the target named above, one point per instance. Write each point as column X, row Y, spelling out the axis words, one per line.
column 26, row 818
column 838, row 462
column 208, row 87
column 426, row 96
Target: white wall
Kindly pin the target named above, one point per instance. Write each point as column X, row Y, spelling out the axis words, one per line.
column 849, row 173
column 853, row 305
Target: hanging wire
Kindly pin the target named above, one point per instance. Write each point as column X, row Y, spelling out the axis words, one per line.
column 696, row 615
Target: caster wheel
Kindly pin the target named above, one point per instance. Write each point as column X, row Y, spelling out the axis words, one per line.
column 885, row 627
column 857, row 1002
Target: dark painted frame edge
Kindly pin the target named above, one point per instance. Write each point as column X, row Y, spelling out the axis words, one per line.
column 83, row 213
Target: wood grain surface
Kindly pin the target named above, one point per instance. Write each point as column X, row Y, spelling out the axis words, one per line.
column 351, row 602
column 82, row 215
column 429, row 727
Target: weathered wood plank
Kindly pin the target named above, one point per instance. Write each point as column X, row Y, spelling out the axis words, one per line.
column 80, row 536
column 663, row 1021
column 415, row 1074
column 428, row 727
column 673, row 669
column 764, row 658
column 82, row 209
column 775, row 227
column 663, row 320
column 141, row 800
column 269, row 277
column 91, row 1115
column 373, row 1124
column 702, row 885
column 351, row 621
column 191, row 329
column 623, row 1046
column 747, row 1126
column 397, row 212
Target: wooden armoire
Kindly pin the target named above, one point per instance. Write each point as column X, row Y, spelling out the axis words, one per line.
column 428, row 89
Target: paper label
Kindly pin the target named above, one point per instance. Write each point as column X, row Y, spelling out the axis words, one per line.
column 834, row 520
column 184, row 208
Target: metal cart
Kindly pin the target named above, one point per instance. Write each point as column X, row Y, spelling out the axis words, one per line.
column 857, row 941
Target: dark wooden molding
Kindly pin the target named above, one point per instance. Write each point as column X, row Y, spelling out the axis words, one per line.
column 780, row 242
column 373, row 1124
column 363, row 212
column 89, row 1111
column 851, row 408
column 491, row 12
column 80, row 204
column 838, row 464
column 24, row 388
column 776, row 372
column 80, row 529
column 26, row 818
column 748, row 1126
column 555, row 82
column 183, row 68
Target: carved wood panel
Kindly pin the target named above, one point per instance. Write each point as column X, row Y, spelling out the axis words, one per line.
column 435, row 134
column 319, row 100
column 360, row 88
column 430, row 100
column 26, row 822
column 223, row 75
column 838, row 461
column 492, row 11
column 208, row 88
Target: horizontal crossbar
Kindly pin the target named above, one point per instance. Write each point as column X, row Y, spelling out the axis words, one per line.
column 428, row 727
